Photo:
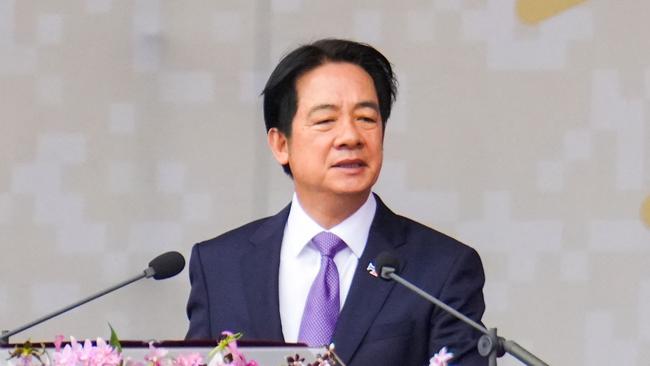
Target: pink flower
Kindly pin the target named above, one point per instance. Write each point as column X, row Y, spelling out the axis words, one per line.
column 74, row 354
column 104, row 354
column 238, row 358
column 156, row 355
column 191, row 359
column 58, row 340
column 63, row 357
column 441, row 358
column 69, row 355
column 85, row 353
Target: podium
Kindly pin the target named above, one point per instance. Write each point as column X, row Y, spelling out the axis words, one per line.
column 265, row 353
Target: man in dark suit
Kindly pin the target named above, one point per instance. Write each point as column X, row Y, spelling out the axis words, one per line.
column 303, row 274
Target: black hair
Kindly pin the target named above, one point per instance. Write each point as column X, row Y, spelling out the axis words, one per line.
column 280, row 96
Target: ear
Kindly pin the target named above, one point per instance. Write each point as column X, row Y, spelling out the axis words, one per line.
column 279, row 145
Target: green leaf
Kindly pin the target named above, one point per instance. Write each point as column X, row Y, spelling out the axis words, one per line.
column 115, row 340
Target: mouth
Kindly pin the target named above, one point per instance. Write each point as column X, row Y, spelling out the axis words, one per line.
column 350, row 164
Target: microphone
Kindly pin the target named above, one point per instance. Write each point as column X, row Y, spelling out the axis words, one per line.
column 489, row 345
column 163, row 266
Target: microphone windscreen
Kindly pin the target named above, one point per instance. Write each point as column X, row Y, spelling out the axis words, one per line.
column 386, row 259
column 167, row 265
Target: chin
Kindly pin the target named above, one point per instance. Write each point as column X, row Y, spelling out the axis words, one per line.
column 353, row 191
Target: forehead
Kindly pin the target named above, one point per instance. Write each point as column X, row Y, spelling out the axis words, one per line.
column 335, row 82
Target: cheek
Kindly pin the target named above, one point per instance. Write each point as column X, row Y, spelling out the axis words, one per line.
column 376, row 143
column 308, row 153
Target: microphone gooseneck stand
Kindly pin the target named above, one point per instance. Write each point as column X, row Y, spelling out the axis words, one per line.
column 489, row 345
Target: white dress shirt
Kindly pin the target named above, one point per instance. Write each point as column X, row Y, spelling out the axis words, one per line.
column 300, row 262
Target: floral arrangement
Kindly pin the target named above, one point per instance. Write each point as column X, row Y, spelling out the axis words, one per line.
column 103, row 353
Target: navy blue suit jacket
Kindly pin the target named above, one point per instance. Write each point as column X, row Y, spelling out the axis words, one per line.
column 234, row 281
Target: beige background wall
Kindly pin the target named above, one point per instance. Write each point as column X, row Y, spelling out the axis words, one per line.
column 128, row 128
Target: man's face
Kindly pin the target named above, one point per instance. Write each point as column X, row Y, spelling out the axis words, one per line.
column 336, row 136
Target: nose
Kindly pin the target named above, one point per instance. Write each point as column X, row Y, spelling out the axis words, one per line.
column 348, row 135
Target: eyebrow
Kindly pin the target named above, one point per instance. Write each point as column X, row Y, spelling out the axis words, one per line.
column 365, row 104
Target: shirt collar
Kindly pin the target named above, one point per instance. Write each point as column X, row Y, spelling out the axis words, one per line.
column 354, row 230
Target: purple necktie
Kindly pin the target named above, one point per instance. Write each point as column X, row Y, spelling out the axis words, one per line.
column 323, row 304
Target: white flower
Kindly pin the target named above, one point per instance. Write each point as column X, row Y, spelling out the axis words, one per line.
column 441, row 358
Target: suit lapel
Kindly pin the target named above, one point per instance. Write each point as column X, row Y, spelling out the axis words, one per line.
column 367, row 293
column 260, row 268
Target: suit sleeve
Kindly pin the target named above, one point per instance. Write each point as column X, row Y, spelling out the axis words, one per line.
column 198, row 305
column 462, row 290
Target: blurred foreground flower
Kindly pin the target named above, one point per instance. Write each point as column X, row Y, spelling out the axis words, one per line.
column 441, row 358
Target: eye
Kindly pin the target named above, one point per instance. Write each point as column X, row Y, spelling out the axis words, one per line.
column 368, row 119
column 324, row 121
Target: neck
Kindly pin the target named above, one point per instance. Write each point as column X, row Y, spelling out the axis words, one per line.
column 329, row 211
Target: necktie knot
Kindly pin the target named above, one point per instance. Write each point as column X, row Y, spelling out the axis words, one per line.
column 328, row 244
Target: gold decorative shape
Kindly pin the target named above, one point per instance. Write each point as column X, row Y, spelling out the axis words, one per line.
column 534, row 11
column 645, row 212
